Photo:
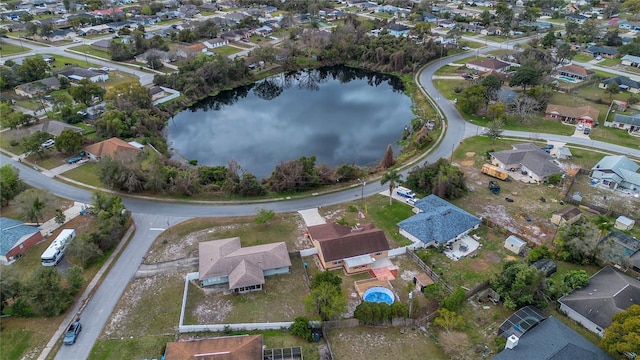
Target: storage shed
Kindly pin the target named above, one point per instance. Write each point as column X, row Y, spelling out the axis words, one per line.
column 568, row 215
column 514, row 244
column 624, row 223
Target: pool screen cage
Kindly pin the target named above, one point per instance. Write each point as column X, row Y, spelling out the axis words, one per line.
column 290, row 353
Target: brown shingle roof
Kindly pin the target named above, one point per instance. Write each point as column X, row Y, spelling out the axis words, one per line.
column 573, row 112
column 489, row 63
column 242, row 347
column 110, row 147
column 575, row 69
column 341, row 242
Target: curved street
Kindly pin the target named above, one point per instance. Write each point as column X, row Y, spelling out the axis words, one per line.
column 154, row 216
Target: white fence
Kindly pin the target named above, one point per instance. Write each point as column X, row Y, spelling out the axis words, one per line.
column 308, row 252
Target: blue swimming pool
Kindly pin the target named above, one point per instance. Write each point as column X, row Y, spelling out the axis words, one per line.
column 378, row 294
column 566, row 78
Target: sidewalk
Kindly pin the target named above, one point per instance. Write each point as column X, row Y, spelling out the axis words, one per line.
column 51, row 225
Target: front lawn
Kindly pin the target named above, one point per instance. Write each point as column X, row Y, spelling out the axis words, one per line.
column 7, row 49
column 86, row 174
column 582, row 58
column 87, row 49
column 226, row 50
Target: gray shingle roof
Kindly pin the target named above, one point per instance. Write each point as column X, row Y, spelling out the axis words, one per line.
column 608, row 293
column 11, row 232
column 627, row 119
column 622, row 80
column 553, row 340
column 438, row 220
column 529, row 156
column 221, row 257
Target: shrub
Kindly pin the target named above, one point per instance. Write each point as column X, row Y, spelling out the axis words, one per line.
column 300, row 327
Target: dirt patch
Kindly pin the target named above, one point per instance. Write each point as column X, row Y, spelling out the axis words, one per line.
column 491, row 257
column 510, row 258
column 467, row 163
column 470, row 154
column 480, row 266
column 213, row 309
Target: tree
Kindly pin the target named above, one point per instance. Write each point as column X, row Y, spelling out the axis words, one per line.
column 31, row 28
column 33, row 203
column 10, row 286
column 300, row 328
column 525, row 76
column 623, row 335
column 603, row 224
column 74, row 280
column 154, row 61
column 523, row 107
column 611, row 90
column 327, row 300
column 33, row 68
column 577, row 243
column 86, row 91
column 10, row 184
column 472, row 99
column 83, row 251
column 128, row 97
column 47, row 292
column 519, row 284
column 454, row 300
column 576, row 279
column 387, row 160
column 392, row 177
column 264, row 216
column 69, row 141
column 564, row 53
column 492, row 86
column 33, row 144
column 448, row 320
column 494, row 129
column 60, row 217
column 328, row 277
column 439, row 178
column 549, row 39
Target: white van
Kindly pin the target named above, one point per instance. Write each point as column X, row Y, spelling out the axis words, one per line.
column 404, row 192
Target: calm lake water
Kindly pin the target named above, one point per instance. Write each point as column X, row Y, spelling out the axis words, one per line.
column 340, row 115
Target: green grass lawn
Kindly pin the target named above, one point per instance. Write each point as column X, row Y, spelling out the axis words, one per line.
column 7, row 49
column 449, row 70
column 87, row 49
column 498, row 38
column 61, row 61
column 610, row 62
column 226, row 50
column 30, row 104
column 582, row 58
column 86, row 174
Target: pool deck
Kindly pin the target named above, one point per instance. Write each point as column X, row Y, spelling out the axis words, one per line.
column 364, row 285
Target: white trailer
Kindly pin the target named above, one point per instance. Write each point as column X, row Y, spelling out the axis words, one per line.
column 54, row 253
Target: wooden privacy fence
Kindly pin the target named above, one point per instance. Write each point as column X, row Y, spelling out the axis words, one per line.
column 432, row 274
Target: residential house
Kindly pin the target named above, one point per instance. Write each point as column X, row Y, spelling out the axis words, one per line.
column 630, row 60
column 53, row 127
column 515, row 244
column 264, row 30
column 191, row 50
column 238, row 347
column 617, row 171
column 488, row 65
column 567, row 215
column 235, row 17
column 76, row 73
column 111, row 12
column 491, row 30
column 235, row 35
column 629, row 26
column 572, row 115
column 631, row 123
column 110, row 147
column 528, row 159
column 398, row 30
column 39, row 87
column 102, row 45
column 212, row 7
column 94, row 30
column 438, row 222
column 215, row 43
column 579, row 18
column 605, row 52
column 474, row 28
column 353, row 249
column 624, row 223
column 575, row 72
column 446, row 23
column 549, row 339
column 623, row 82
column 60, row 35
column 225, row 262
column 608, row 293
column 16, row 238
column 429, row 17
column 620, row 248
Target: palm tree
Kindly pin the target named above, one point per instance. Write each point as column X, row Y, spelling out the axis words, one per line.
column 392, row 177
column 35, row 211
column 603, row 225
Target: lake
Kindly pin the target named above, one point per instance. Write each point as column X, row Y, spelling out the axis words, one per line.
column 341, row 115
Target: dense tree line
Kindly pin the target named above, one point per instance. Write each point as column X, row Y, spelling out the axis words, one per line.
column 371, row 313
column 10, row 183
column 439, row 178
column 32, row 68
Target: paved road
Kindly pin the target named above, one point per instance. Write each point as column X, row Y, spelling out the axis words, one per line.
column 151, row 216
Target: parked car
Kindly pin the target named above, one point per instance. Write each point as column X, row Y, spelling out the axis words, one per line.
column 580, row 127
column 411, row 201
column 73, row 160
column 587, row 131
column 49, row 143
column 547, row 148
column 465, row 48
column 72, row 334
